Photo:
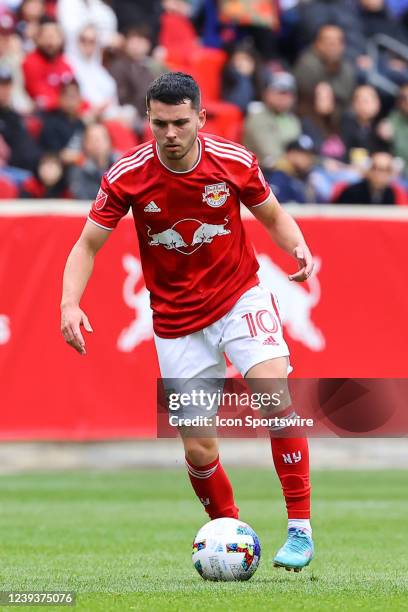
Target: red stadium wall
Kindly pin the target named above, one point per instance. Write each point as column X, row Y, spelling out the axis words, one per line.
column 350, row 320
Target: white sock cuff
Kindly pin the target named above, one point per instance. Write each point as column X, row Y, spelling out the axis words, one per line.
column 300, row 524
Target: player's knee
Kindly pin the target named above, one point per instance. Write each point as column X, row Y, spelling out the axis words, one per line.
column 271, row 368
column 200, row 452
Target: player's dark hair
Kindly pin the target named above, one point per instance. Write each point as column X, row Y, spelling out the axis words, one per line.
column 174, row 88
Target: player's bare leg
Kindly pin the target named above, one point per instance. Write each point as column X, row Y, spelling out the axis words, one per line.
column 291, row 459
column 207, row 476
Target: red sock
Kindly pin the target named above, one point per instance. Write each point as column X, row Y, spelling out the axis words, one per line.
column 291, row 459
column 213, row 489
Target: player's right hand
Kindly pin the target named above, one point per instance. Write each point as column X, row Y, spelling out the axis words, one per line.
column 72, row 318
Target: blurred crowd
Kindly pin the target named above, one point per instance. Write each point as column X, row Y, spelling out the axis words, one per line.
column 317, row 89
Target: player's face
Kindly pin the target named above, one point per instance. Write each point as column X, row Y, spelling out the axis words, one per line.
column 175, row 128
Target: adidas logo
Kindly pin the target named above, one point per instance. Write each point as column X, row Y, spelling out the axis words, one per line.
column 152, row 207
column 270, row 340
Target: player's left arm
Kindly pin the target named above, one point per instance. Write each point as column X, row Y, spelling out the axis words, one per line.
column 257, row 195
column 284, row 230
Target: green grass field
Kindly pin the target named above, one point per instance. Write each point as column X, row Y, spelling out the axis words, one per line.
column 122, row 540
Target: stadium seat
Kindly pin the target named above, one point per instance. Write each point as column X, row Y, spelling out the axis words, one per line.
column 8, row 189
column 401, row 194
column 224, row 119
column 178, row 37
column 337, row 190
column 206, row 67
column 122, row 137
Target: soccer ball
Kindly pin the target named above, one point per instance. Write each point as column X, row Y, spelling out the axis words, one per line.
column 226, row 549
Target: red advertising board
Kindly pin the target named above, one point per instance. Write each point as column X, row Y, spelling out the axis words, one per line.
column 348, row 320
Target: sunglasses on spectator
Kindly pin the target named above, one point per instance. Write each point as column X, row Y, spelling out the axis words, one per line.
column 87, row 40
column 382, row 168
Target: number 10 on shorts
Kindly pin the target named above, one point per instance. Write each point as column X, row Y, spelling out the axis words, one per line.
column 263, row 320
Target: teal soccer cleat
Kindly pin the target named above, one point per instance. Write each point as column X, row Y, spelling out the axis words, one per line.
column 297, row 552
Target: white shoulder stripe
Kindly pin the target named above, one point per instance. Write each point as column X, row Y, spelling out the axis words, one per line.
column 128, row 159
column 124, row 159
column 136, row 164
column 112, row 176
column 228, row 156
column 234, row 148
column 229, row 152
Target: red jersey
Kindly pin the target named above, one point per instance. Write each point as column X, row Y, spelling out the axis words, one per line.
column 44, row 77
column 195, row 256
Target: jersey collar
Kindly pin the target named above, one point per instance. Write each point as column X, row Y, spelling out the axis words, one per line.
column 200, row 149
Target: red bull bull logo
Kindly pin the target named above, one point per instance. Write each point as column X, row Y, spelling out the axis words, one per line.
column 216, row 195
column 188, row 235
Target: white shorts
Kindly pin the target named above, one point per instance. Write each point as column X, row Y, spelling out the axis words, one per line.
column 251, row 332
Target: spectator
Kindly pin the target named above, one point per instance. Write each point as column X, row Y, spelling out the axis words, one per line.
column 290, row 178
column 377, row 20
column 322, row 123
column 377, row 187
column 74, row 15
column 49, row 181
column 359, row 125
column 360, row 20
column 45, row 69
column 259, row 20
column 133, row 14
column 29, row 16
column 343, row 13
column 84, row 179
column 271, row 125
column 97, row 86
column 394, row 129
column 131, row 70
column 63, row 128
column 325, row 61
column 241, row 80
column 19, row 149
column 11, row 55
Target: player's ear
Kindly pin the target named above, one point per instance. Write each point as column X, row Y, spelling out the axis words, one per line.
column 202, row 117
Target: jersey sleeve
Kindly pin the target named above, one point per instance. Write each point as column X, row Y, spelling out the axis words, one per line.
column 256, row 190
column 108, row 207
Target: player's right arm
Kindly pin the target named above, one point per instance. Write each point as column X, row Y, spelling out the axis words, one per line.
column 77, row 273
column 109, row 207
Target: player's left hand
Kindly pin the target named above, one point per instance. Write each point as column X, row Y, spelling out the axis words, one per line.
column 305, row 263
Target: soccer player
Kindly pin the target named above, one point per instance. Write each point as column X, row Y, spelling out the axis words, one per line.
column 185, row 189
